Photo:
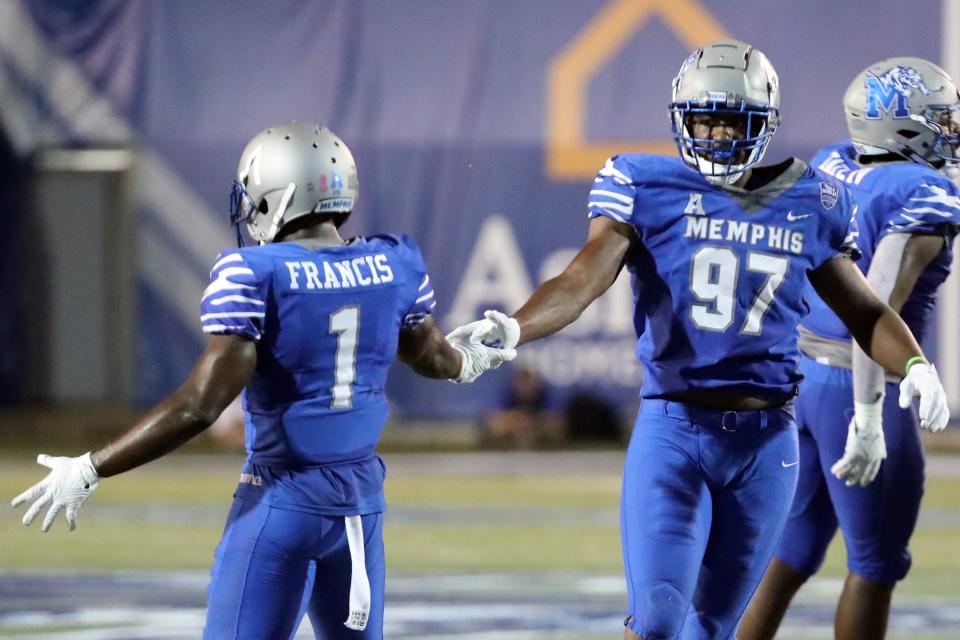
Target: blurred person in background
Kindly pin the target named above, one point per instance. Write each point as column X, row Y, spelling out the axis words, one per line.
column 721, row 250
column 307, row 325
column 903, row 115
column 524, row 419
column 592, row 419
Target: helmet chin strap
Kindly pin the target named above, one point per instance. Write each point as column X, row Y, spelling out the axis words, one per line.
column 726, row 180
column 706, row 168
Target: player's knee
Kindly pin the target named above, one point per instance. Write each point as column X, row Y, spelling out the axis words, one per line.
column 660, row 614
column 803, row 561
column 881, row 569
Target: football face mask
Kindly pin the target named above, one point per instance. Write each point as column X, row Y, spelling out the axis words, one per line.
column 945, row 122
column 242, row 208
column 717, row 140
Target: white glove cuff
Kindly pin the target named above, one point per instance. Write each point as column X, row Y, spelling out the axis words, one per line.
column 465, row 365
column 87, row 471
column 921, row 369
column 869, row 415
column 512, row 331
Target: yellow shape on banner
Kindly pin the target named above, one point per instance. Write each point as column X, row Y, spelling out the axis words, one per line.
column 569, row 155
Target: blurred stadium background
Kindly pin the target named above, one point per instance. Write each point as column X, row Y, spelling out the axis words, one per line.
column 477, row 126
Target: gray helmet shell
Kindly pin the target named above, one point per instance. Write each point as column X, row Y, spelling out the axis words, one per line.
column 888, row 103
column 732, row 68
column 293, row 170
column 731, row 76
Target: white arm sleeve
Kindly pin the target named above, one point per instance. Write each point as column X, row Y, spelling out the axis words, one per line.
column 868, row 376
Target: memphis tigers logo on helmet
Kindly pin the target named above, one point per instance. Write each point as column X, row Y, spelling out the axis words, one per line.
column 890, row 91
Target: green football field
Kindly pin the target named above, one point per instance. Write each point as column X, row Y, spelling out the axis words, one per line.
column 450, row 515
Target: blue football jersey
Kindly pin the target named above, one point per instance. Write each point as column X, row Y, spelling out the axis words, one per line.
column 719, row 274
column 893, row 197
column 326, row 322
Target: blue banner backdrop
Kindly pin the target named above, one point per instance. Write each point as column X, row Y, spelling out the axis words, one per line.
column 477, row 127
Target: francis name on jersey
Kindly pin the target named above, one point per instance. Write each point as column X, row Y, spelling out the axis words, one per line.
column 326, row 321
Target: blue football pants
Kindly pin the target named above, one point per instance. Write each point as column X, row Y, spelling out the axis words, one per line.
column 877, row 520
column 274, row 565
column 705, row 497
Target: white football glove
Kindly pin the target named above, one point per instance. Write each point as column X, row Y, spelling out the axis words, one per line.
column 476, row 356
column 505, row 333
column 498, row 329
column 495, row 330
column 68, row 485
column 866, row 447
column 922, row 380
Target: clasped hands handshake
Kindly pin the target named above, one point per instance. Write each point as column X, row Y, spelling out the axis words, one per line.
column 485, row 344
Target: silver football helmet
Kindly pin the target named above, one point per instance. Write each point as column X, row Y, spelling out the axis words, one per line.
column 289, row 171
column 732, row 81
column 906, row 106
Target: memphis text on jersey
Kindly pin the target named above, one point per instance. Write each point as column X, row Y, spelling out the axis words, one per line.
column 705, row 228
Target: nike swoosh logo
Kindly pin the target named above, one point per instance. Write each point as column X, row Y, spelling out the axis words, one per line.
column 787, row 466
column 791, row 216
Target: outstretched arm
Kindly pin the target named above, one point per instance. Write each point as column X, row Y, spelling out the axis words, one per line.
column 223, row 370
column 560, row 300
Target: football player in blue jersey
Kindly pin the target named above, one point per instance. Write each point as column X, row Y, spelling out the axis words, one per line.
column 306, row 325
column 720, row 250
column 903, row 115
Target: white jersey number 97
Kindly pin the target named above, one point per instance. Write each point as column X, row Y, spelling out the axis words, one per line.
column 714, row 275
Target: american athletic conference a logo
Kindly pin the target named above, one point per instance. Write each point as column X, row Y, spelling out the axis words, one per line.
column 890, row 92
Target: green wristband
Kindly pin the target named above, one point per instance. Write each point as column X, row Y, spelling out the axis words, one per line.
column 912, row 361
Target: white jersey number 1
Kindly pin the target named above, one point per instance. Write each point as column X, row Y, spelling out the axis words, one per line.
column 345, row 324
